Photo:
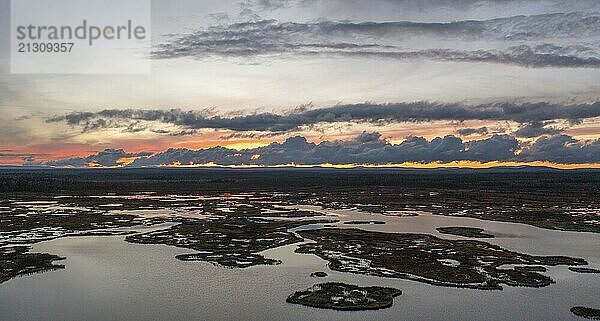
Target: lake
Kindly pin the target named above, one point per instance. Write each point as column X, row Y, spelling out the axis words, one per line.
column 109, row 279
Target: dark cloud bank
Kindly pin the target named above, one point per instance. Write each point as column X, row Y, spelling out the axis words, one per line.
column 136, row 119
column 107, row 157
column 367, row 148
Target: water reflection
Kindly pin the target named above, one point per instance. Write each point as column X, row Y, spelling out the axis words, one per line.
column 108, row 279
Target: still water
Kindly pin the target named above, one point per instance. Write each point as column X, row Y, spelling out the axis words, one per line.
column 108, row 279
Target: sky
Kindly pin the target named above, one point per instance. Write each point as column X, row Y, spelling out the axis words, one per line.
column 271, row 82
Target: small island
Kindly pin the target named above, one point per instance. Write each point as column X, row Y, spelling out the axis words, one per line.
column 318, row 274
column 340, row 296
column 473, row 232
column 531, row 268
column 588, row 313
column 364, row 222
column 583, row 270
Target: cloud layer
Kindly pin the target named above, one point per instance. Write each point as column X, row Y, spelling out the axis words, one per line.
column 559, row 40
column 367, row 148
column 536, row 129
column 552, row 5
column 106, row 158
column 139, row 119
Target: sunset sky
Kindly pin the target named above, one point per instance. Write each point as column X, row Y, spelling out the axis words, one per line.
column 325, row 81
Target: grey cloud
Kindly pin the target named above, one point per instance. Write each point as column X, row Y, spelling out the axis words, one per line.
column 28, row 158
column 174, row 132
column 365, row 148
column 392, row 112
column 520, row 40
column 471, row 131
column 535, row 129
column 277, row 4
column 107, row 157
column 252, row 135
column 538, row 56
column 562, row 149
column 438, row 4
column 497, row 147
column 370, row 148
column 7, row 154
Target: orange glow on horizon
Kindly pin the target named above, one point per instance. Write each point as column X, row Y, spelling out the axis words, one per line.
column 127, row 160
column 407, row 165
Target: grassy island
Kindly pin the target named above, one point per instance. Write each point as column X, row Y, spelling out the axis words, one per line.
column 364, row 222
column 583, row 270
column 473, row 232
column 588, row 313
column 426, row 258
column 340, row 296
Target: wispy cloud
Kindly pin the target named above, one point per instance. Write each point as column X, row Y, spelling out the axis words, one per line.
column 422, row 5
column 20, row 155
column 559, row 40
column 470, row 131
